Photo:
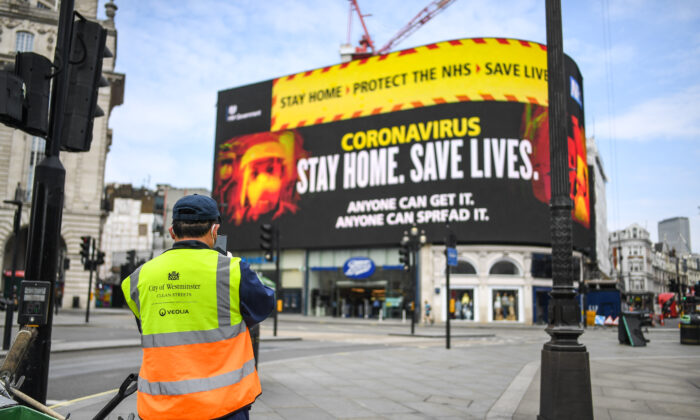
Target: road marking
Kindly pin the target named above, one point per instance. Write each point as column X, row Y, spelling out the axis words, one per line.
column 87, row 397
column 506, row 406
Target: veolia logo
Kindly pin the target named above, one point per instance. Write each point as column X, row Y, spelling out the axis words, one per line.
column 163, row 312
column 358, row 268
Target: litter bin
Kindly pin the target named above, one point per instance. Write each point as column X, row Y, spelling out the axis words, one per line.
column 690, row 329
column 590, row 317
column 629, row 330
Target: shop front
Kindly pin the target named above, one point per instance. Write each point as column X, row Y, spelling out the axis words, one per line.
column 492, row 283
column 333, row 291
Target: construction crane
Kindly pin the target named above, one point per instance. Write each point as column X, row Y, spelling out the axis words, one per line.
column 367, row 48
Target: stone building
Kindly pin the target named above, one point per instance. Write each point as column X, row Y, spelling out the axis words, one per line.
column 31, row 25
column 165, row 198
column 131, row 224
column 631, row 253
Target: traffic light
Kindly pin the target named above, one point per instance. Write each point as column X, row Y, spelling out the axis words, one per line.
column 131, row 257
column 85, row 248
column 100, row 259
column 405, row 256
column 267, row 242
column 84, row 79
column 35, row 72
column 11, row 99
column 672, row 286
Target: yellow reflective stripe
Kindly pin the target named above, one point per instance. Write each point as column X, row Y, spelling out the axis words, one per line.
column 192, row 337
column 134, row 285
column 234, row 290
column 223, row 302
column 189, row 386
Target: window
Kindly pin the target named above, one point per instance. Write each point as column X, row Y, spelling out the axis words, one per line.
column 158, row 204
column 504, row 268
column 37, row 153
column 463, row 267
column 505, row 305
column 541, row 266
column 46, row 4
column 24, row 42
column 464, row 304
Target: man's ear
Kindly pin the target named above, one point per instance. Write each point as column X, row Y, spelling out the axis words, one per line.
column 215, row 228
column 172, row 234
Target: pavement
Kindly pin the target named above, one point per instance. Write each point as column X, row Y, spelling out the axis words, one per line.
column 490, row 372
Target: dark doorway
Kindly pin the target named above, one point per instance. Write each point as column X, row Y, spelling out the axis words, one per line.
column 540, row 305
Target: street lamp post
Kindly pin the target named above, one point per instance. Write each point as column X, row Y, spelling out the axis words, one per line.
column 565, row 390
column 414, row 239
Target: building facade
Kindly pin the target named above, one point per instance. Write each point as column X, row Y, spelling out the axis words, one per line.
column 165, row 198
column 631, row 254
column 134, row 231
column 598, row 271
column 676, row 233
column 31, row 25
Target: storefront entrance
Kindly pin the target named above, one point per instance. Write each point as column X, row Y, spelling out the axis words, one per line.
column 540, row 305
column 331, row 293
column 361, row 299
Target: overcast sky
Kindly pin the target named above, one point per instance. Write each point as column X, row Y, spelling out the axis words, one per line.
column 639, row 60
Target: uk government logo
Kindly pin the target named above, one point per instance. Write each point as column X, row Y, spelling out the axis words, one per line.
column 164, row 312
column 232, row 113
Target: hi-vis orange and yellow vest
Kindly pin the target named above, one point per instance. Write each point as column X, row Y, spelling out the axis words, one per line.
column 198, row 358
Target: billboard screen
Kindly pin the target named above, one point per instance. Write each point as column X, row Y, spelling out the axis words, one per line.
column 356, row 153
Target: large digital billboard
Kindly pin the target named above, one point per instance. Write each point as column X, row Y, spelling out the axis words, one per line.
column 354, row 154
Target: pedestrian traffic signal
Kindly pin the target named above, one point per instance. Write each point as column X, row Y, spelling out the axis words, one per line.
column 267, row 242
column 84, row 79
column 405, row 256
column 85, row 248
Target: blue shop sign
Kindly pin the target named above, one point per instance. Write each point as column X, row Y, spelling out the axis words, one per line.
column 452, row 257
column 359, row 268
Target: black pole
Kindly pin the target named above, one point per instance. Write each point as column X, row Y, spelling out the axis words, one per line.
column 47, row 212
column 450, row 242
column 447, row 298
column 277, row 278
column 565, row 390
column 415, row 289
column 91, row 264
column 9, row 311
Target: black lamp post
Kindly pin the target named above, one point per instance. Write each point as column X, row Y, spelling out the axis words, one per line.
column 414, row 239
column 565, row 391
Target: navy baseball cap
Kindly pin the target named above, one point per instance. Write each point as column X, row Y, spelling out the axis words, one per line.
column 196, row 208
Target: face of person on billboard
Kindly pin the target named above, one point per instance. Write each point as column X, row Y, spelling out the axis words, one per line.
column 535, row 126
column 256, row 175
column 263, row 176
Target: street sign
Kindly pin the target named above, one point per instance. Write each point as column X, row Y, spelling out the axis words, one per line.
column 452, row 257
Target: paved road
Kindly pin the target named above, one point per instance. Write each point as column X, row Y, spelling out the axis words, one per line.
column 361, row 369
